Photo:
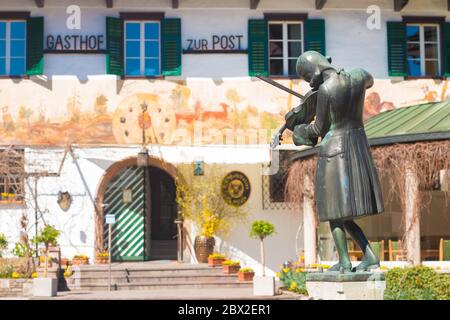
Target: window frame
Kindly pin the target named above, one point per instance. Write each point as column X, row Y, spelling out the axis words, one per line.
column 142, row 42
column 440, row 21
column 7, row 56
column 422, row 42
column 285, row 40
column 20, row 175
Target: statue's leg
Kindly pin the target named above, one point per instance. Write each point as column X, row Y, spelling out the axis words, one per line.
column 338, row 232
column 370, row 260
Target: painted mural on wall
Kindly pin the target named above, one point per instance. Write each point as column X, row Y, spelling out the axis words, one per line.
column 188, row 112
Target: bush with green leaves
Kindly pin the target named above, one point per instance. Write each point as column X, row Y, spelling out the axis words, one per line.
column 47, row 236
column 294, row 280
column 416, row 283
column 261, row 229
column 3, row 244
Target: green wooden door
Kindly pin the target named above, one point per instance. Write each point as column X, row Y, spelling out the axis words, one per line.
column 125, row 198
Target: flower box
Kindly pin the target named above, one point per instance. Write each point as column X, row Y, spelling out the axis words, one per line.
column 215, row 262
column 246, row 275
column 80, row 261
column 101, row 260
column 231, row 269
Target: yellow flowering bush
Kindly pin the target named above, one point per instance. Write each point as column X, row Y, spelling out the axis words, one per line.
column 15, row 275
column 199, row 199
column 294, row 279
column 34, row 275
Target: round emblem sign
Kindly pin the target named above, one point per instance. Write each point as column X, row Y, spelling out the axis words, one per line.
column 235, row 188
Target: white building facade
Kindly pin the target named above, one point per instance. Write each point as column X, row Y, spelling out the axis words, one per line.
column 74, row 76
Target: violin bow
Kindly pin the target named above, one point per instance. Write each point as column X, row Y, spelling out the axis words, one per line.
column 280, row 86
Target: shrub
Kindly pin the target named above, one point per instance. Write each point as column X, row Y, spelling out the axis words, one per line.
column 243, row 270
column 3, row 243
column 416, row 283
column 261, row 229
column 6, row 271
column 293, row 280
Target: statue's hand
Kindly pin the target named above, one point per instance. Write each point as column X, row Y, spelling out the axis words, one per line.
column 301, row 136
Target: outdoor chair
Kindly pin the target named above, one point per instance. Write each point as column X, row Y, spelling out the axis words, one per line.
column 378, row 248
column 444, row 250
column 396, row 252
column 353, row 252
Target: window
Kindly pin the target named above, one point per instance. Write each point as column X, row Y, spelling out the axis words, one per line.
column 12, row 47
column 285, row 46
column 11, row 176
column 423, row 50
column 142, row 48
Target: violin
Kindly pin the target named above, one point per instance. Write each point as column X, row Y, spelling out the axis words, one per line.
column 290, row 119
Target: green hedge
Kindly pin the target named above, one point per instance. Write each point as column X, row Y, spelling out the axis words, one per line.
column 416, row 283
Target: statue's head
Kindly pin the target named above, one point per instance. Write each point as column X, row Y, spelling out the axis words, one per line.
column 310, row 65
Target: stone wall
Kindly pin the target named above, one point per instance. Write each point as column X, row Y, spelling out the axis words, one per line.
column 16, row 287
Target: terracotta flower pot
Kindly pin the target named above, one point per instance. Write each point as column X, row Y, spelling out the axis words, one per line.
column 101, row 260
column 215, row 262
column 231, row 269
column 203, row 246
column 245, row 276
column 79, row 261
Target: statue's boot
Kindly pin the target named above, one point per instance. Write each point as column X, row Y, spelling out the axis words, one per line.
column 337, row 267
column 370, row 260
column 340, row 240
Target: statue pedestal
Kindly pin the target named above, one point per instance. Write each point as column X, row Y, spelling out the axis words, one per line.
column 346, row 286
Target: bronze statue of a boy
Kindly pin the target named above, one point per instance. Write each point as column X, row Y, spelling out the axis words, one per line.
column 347, row 185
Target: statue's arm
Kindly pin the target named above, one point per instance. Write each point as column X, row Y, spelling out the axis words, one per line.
column 307, row 134
column 305, row 115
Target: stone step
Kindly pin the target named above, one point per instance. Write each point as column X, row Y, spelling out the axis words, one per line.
column 149, row 278
column 156, row 285
column 99, row 270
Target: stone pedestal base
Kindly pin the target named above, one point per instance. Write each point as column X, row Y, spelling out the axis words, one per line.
column 263, row 286
column 347, row 286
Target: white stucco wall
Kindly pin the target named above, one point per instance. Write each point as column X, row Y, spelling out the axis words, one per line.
column 348, row 40
column 81, row 175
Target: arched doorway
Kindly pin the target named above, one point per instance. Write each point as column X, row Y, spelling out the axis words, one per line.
column 143, row 203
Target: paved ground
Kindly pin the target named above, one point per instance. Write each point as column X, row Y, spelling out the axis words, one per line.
column 171, row 294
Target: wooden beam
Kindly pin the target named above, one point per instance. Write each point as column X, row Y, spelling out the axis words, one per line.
column 175, row 4
column 39, row 3
column 254, row 4
column 448, row 5
column 109, row 3
column 400, row 4
column 320, row 4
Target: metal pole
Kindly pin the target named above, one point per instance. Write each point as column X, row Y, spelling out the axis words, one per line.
column 109, row 257
column 36, row 214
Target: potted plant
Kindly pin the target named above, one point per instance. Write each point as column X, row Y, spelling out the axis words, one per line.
column 262, row 285
column 102, row 257
column 200, row 200
column 231, row 266
column 80, row 259
column 216, row 259
column 246, row 274
column 46, row 286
